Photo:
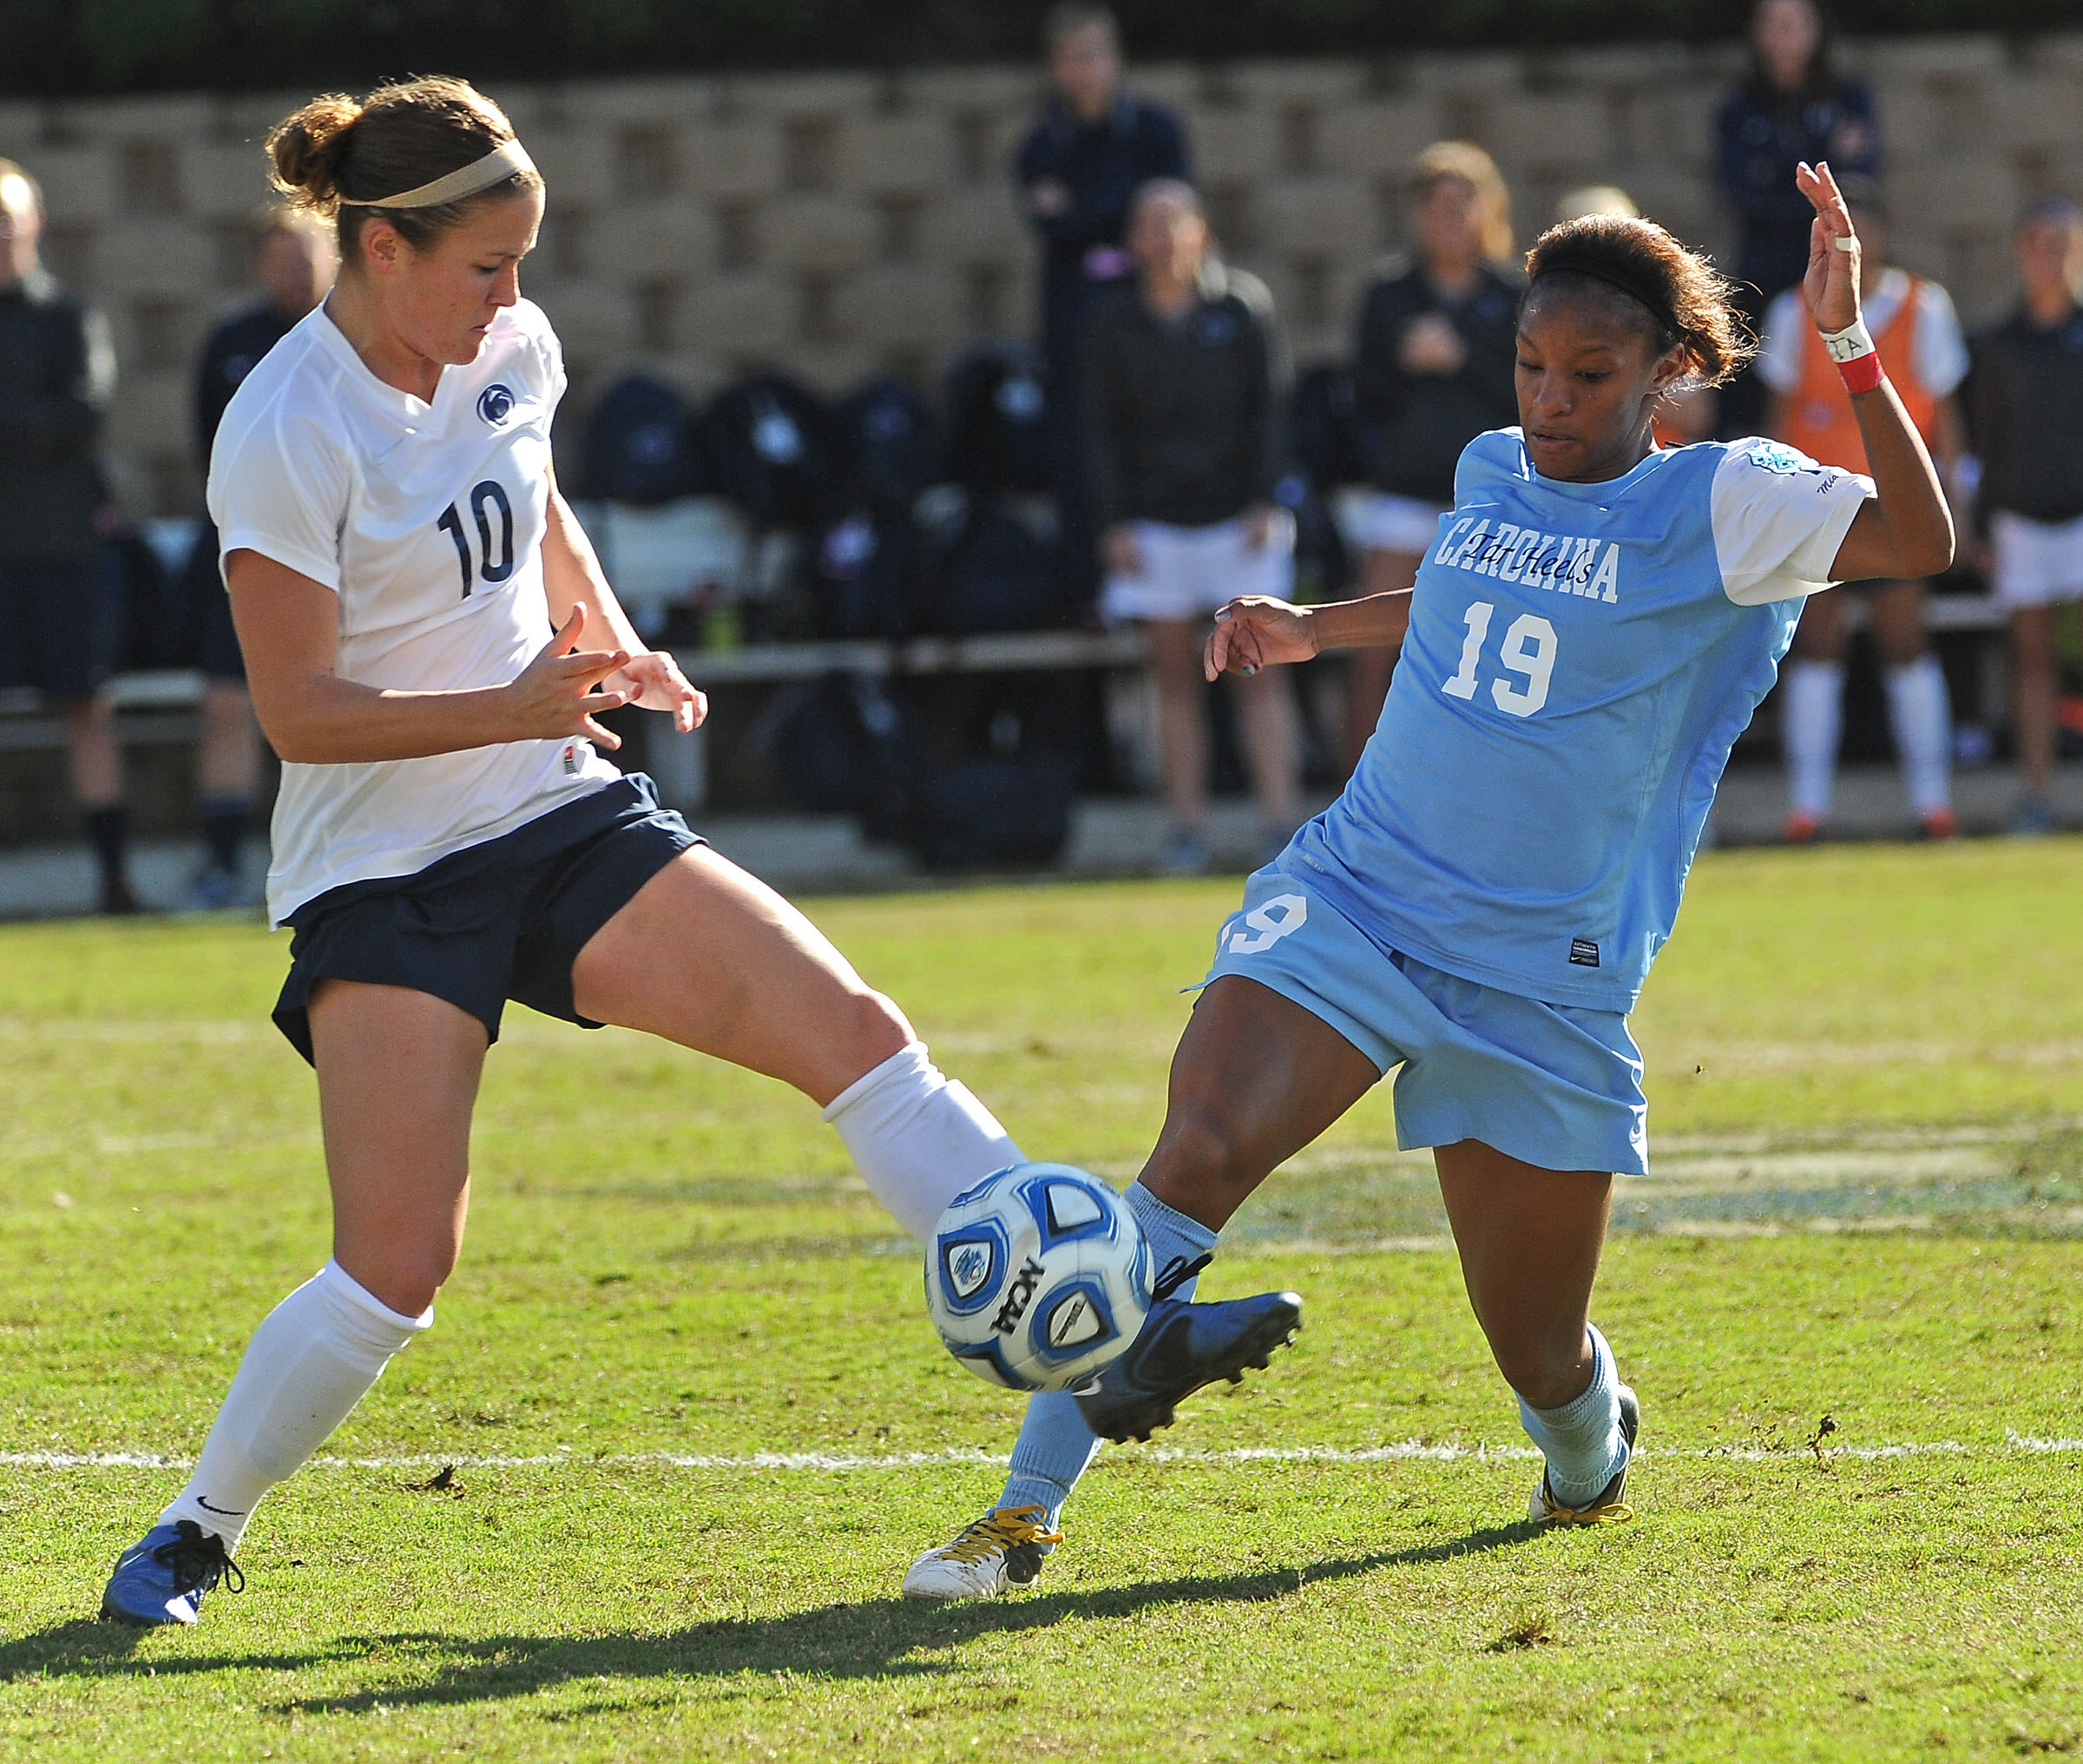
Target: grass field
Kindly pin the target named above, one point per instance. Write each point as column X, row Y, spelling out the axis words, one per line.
column 700, row 1426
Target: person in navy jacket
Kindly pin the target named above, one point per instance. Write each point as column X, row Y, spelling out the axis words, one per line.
column 1793, row 108
column 1094, row 147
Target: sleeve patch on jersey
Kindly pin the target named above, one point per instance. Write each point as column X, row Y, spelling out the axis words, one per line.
column 1776, row 457
column 1583, row 953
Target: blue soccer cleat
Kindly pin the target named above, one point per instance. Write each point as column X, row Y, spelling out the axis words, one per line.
column 1181, row 1347
column 162, row 1576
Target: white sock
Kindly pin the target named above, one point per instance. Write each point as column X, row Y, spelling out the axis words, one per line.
column 1812, row 726
column 918, row 1139
column 1921, row 717
column 1581, row 1439
column 309, row 1363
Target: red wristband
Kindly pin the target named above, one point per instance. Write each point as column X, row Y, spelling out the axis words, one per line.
column 1862, row 373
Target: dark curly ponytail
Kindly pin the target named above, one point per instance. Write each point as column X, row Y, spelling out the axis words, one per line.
column 1650, row 278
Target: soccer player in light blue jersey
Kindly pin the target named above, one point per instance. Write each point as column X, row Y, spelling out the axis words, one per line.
column 1594, row 622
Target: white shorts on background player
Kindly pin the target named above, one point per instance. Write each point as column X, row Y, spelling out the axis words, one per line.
column 2038, row 563
column 1378, row 521
column 1188, row 572
column 427, row 520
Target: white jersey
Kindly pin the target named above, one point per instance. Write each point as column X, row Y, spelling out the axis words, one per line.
column 427, row 520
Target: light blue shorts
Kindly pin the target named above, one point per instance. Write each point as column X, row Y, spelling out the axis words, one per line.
column 1554, row 1086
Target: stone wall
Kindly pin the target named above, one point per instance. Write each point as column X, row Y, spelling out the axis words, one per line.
column 843, row 223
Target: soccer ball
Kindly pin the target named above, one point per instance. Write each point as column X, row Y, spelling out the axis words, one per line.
column 1038, row 1276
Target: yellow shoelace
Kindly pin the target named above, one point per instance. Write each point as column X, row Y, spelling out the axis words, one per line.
column 1005, row 1529
column 1611, row 1514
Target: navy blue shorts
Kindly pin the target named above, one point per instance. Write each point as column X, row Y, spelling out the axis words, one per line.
column 68, row 614
column 201, row 614
column 504, row 920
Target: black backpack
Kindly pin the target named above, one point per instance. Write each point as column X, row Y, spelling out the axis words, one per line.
column 1005, row 809
column 997, row 401
column 845, row 745
column 859, row 575
column 993, row 563
column 140, row 607
column 766, row 443
column 886, row 446
column 639, row 446
column 1329, row 443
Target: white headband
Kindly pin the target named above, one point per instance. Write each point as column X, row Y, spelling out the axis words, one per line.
column 495, row 167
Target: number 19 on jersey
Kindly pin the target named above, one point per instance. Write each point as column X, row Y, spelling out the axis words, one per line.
column 1528, row 649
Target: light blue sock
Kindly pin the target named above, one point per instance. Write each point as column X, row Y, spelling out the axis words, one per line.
column 1055, row 1446
column 1581, row 1440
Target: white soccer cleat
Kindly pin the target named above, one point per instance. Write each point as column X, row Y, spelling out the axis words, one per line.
column 1002, row 1549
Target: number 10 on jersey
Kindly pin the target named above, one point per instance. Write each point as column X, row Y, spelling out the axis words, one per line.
column 483, row 498
column 1528, row 649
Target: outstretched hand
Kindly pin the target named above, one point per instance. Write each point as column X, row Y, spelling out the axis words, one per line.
column 654, row 682
column 1256, row 631
column 553, row 697
column 1831, row 285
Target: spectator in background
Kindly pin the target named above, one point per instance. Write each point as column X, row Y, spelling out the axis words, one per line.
column 1079, row 168
column 1914, row 327
column 1185, row 380
column 1793, row 108
column 57, row 374
column 293, row 261
column 1432, row 370
column 2026, row 414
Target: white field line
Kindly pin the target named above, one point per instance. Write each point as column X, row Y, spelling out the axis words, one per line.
column 1408, row 1450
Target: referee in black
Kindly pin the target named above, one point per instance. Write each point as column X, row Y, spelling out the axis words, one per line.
column 57, row 375
column 293, row 262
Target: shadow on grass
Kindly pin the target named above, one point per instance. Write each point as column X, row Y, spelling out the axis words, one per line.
column 876, row 1639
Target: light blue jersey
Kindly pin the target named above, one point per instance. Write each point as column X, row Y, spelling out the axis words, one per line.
column 1581, row 660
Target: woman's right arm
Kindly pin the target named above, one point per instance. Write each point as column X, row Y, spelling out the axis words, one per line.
column 289, row 629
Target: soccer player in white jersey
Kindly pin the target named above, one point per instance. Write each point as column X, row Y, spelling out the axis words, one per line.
column 448, row 836
column 1594, row 622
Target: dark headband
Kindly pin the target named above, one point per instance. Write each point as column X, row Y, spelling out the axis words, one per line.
column 1619, row 275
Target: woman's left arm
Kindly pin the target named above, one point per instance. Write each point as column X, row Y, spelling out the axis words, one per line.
column 571, row 574
column 1905, row 529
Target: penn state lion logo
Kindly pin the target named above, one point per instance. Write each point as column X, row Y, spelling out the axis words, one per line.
column 496, row 404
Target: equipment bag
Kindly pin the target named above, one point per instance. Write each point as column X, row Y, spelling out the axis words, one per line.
column 844, row 745
column 1005, row 809
column 996, row 567
column 997, row 403
column 860, row 575
column 886, row 445
column 766, row 443
column 641, row 446
column 1329, row 444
